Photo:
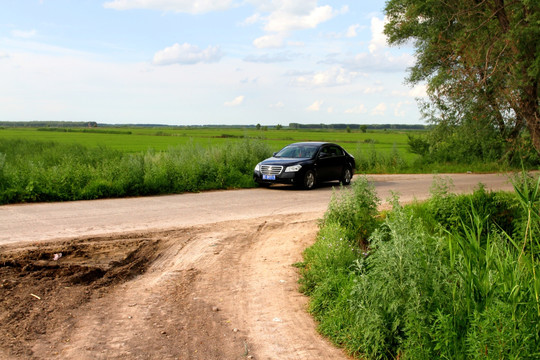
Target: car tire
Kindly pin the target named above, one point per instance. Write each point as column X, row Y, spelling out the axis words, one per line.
column 346, row 177
column 309, row 180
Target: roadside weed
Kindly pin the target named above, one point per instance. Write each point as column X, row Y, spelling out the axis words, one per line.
column 455, row 277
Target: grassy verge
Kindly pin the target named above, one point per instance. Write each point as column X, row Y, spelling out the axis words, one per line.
column 456, row 277
column 50, row 171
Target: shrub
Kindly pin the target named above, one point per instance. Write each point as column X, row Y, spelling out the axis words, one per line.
column 447, row 209
column 417, row 145
column 441, row 279
column 355, row 210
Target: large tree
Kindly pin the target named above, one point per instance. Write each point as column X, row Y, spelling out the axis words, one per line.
column 479, row 58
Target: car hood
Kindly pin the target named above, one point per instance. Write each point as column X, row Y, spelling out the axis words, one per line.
column 283, row 161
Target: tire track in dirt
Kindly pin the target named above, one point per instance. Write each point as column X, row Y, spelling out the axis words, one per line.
column 221, row 291
column 257, row 289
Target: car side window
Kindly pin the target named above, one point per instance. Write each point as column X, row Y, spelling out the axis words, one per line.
column 331, row 151
column 336, row 151
column 325, row 151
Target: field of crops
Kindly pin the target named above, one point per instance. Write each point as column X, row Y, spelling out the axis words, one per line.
column 160, row 139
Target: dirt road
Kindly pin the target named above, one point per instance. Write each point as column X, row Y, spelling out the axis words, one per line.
column 194, row 276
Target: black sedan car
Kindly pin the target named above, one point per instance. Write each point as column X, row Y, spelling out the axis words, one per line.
column 305, row 164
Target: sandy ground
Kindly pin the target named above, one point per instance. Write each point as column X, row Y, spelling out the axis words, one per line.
column 194, row 276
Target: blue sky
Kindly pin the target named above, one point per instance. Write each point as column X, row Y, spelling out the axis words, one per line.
column 189, row 62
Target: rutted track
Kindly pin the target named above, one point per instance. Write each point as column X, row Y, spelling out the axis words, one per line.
column 196, row 276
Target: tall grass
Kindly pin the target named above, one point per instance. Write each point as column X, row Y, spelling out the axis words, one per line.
column 375, row 161
column 48, row 171
column 456, row 277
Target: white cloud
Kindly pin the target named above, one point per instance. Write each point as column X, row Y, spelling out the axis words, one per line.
column 187, row 54
column 278, row 105
column 380, row 62
column 253, row 19
column 316, row 106
column 281, row 17
column 378, row 39
column 373, row 90
column 331, row 77
column 269, row 58
column 235, row 102
column 25, row 34
column 351, row 31
column 379, row 109
column 269, row 41
column 291, row 6
column 185, row 6
column 398, row 108
column 4, row 55
column 378, row 58
column 249, row 80
column 285, row 21
column 296, row 43
column 360, row 109
column 416, row 92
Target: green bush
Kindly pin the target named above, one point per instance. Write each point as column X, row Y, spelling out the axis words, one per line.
column 456, row 277
column 354, row 211
column 447, row 209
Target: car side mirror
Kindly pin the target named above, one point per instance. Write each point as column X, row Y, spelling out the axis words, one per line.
column 274, row 154
column 323, row 155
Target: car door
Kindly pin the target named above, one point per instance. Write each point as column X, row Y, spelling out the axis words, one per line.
column 324, row 163
column 330, row 162
column 336, row 163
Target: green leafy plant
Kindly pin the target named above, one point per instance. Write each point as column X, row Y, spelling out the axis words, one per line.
column 431, row 283
column 355, row 210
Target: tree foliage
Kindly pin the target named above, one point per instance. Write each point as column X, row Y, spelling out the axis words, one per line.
column 481, row 62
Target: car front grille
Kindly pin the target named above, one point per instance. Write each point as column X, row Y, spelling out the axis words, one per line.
column 271, row 169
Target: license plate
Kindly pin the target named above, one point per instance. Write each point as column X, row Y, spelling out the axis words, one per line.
column 269, row 177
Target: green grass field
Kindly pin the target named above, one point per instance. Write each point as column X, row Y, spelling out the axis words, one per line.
column 161, row 139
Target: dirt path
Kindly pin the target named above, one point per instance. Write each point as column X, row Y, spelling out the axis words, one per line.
column 221, row 291
column 206, row 290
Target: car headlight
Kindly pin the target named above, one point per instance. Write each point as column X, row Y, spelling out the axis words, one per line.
column 258, row 167
column 293, row 168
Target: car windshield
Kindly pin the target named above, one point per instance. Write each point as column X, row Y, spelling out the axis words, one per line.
column 297, row 151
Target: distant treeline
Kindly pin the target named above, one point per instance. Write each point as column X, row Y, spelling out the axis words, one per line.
column 93, row 124
column 358, row 126
column 41, row 124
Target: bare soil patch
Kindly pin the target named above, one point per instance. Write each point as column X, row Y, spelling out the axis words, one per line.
column 39, row 294
column 220, row 291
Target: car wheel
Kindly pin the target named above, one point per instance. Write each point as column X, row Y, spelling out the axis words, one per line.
column 309, row 180
column 347, row 176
